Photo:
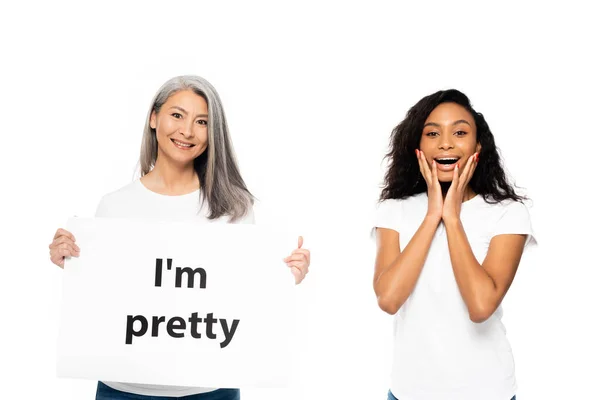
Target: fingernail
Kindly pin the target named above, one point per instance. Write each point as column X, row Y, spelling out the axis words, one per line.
column 417, row 152
column 457, row 165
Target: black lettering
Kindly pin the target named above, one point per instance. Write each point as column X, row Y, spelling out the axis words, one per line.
column 194, row 320
column 228, row 334
column 209, row 320
column 171, row 326
column 130, row 333
column 190, row 274
column 158, row 273
column 155, row 323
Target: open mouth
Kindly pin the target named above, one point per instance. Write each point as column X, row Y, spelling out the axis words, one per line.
column 446, row 160
column 182, row 145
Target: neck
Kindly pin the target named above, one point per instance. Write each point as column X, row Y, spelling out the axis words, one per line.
column 170, row 178
column 467, row 195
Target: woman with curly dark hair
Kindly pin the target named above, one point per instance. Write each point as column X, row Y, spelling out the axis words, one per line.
column 450, row 233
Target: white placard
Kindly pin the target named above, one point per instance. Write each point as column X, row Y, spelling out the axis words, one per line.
column 177, row 303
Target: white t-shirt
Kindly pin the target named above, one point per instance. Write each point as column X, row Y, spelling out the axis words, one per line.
column 439, row 353
column 137, row 201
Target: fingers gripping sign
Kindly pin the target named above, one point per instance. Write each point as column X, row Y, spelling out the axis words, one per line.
column 299, row 261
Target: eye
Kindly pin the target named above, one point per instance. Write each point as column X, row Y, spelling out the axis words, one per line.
column 177, row 115
column 460, row 133
column 433, row 133
column 202, row 122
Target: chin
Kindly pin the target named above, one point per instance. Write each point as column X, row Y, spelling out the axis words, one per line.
column 182, row 159
column 445, row 176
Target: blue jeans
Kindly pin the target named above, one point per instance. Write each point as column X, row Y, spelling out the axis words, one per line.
column 105, row 392
column 391, row 396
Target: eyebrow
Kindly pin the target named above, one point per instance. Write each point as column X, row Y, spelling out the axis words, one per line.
column 185, row 112
column 460, row 121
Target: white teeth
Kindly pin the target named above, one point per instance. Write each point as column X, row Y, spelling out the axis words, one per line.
column 182, row 144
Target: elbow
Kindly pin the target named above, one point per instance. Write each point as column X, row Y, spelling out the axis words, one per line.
column 480, row 314
column 388, row 305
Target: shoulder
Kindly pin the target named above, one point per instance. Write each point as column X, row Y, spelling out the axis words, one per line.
column 390, row 213
column 247, row 218
column 508, row 207
column 512, row 217
column 388, row 205
column 517, row 211
column 397, row 204
column 117, row 198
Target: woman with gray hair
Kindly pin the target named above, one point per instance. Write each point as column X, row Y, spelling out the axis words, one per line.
column 188, row 170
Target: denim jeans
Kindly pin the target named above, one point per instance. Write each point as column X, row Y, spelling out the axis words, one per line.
column 105, row 392
column 391, row 396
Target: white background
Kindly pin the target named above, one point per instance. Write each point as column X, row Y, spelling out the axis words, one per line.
column 311, row 94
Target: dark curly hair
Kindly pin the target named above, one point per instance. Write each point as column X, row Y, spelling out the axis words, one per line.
column 403, row 177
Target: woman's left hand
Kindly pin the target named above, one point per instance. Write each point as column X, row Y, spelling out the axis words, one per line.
column 456, row 192
column 299, row 261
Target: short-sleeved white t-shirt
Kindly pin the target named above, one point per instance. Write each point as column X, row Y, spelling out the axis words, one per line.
column 137, row 201
column 439, row 353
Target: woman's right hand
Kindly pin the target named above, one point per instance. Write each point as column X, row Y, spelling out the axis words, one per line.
column 434, row 189
column 63, row 245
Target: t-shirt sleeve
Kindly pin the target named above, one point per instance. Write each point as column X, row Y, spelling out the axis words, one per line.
column 387, row 215
column 515, row 220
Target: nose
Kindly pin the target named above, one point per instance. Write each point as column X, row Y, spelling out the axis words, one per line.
column 186, row 129
column 446, row 141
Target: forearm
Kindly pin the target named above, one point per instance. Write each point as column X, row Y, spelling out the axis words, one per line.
column 476, row 286
column 397, row 281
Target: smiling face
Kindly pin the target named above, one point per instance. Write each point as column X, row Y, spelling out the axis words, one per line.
column 449, row 136
column 181, row 127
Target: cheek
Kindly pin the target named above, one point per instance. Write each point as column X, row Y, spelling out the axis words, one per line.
column 427, row 147
column 202, row 134
column 468, row 147
column 164, row 127
column 202, row 140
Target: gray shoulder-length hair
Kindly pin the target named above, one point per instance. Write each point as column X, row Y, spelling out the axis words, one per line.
column 221, row 183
